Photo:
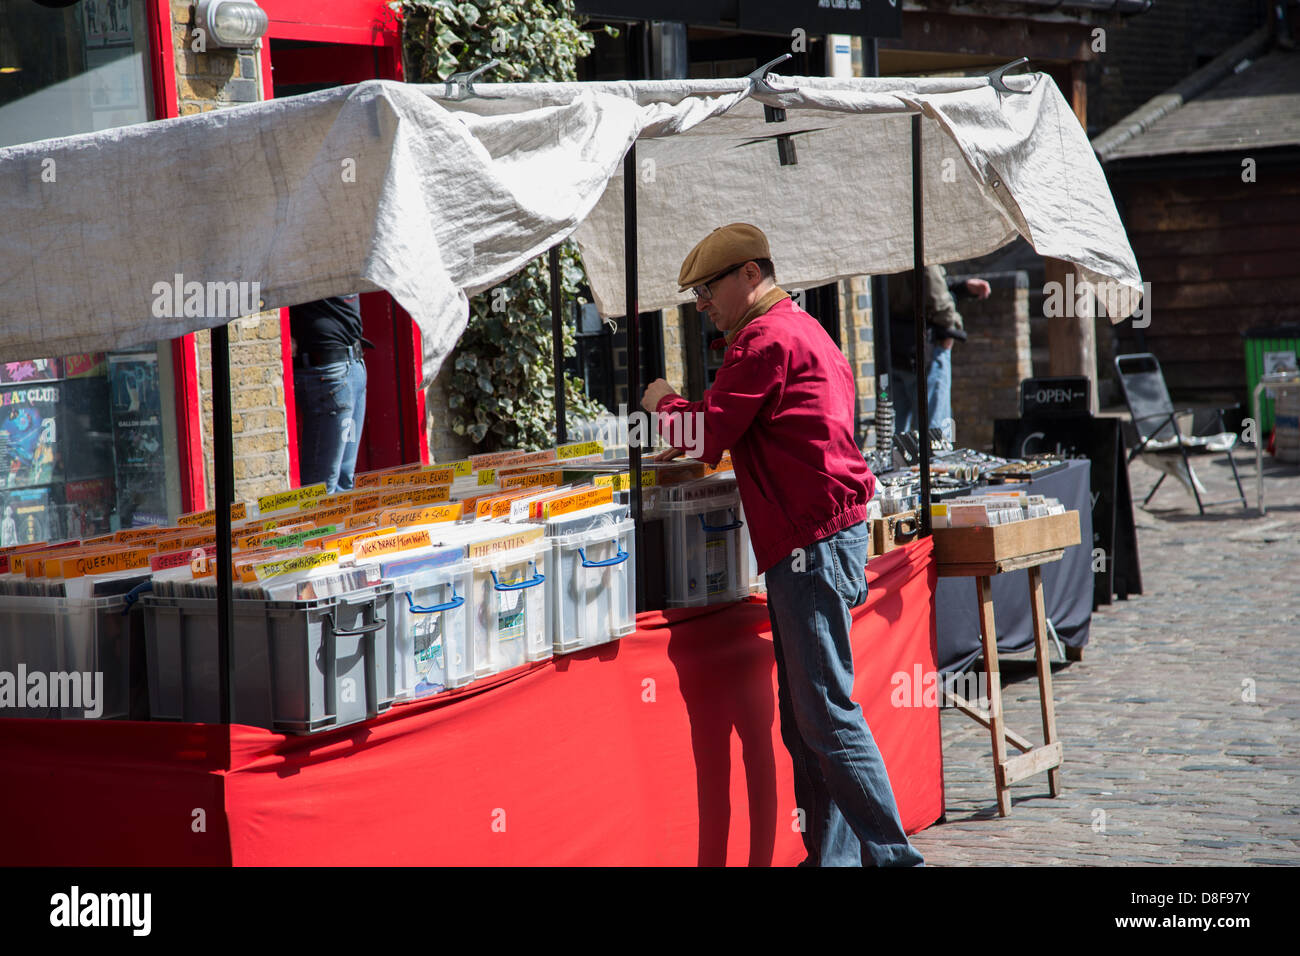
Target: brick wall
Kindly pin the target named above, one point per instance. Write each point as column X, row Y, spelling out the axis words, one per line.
column 859, row 348
column 987, row 368
column 207, row 81
column 444, row 444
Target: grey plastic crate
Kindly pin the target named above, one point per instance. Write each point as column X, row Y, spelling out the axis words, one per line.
column 60, row 636
column 299, row 666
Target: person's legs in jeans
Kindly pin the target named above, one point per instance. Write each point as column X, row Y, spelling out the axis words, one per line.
column 938, row 391
column 810, row 602
column 827, row 838
column 328, row 423
column 348, row 462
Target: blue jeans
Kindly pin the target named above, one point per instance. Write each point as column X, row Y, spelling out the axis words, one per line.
column 938, row 395
column 331, row 403
column 849, row 814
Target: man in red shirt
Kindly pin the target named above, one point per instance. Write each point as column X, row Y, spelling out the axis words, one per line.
column 783, row 403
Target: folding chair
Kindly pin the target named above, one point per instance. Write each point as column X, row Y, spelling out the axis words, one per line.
column 1156, row 421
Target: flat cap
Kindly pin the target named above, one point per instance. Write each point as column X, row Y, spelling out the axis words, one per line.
column 721, row 249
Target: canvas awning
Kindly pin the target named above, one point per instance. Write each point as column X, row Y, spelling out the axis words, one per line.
column 393, row 186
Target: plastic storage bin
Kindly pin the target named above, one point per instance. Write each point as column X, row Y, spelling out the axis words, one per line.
column 707, row 560
column 433, row 650
column 299, row 666
column 60, row 637
column 594, row 586
column 510, row 609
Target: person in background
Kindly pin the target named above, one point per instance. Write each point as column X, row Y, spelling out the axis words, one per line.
column 944, row 326
column 783, row 403
column 329, row 382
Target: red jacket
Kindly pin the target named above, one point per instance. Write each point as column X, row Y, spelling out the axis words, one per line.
column 783, row 402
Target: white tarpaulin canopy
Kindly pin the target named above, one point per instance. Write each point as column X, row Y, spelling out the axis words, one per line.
column 137, row 234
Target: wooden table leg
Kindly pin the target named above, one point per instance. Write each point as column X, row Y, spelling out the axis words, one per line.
column 997, row 725
column 1044, row 662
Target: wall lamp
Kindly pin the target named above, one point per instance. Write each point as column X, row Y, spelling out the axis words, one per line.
column 231, row 23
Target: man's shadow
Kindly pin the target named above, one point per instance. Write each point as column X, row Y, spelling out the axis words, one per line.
column 726, row 683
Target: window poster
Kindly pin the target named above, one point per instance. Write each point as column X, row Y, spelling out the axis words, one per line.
column 136, row 412
column 29, row 436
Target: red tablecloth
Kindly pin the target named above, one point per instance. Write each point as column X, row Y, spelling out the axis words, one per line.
column 661, row 748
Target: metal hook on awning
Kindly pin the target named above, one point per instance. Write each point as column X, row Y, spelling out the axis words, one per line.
column 758, row 84
column 460, row 86
column 995, row 76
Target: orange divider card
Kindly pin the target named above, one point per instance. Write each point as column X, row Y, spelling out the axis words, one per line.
column 500, row 505
column 435, row 514
column 328, row 515
column 373, row 478
column 344, row 542
column 392, row 543
column 586, row 498
column 483, row 504
column 428, row 476
column 497, row 459
column 132, row 535
column 107, row 562
column 12, row 557
column 415, row 497
column 507, row 542
column 367, row 501
column 182, row 541
column 204, row 519
column 535, row 480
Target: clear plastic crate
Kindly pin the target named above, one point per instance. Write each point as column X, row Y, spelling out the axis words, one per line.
column 510, row 612
column 299, row 666
column 706, row 547
column 59, row 637
column 594, row 586
column 433, row 648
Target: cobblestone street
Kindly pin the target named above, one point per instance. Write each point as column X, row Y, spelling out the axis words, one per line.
column 1165, row 762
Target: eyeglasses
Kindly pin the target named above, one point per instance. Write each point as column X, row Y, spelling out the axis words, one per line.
column 704, row 292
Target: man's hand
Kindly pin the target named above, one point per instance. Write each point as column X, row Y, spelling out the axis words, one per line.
column 654, row 394
column 978, row 288
column 669, row 454
column 945, row 343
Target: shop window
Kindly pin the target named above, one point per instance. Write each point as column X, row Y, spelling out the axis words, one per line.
column 72, row 70
column 87, row 442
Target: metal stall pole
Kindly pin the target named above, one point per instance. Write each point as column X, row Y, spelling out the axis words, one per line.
column 223, row 466
column 918, row 321
column 557, row 346
column 880, row 346
column 633, row 358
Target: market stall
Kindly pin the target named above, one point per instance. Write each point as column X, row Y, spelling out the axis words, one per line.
column 451, row 194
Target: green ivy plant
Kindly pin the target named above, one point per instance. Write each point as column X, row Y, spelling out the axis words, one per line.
column 501, row 388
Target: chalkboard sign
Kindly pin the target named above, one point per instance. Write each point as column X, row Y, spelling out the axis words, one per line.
column 1113, row 529
column 1068, row 396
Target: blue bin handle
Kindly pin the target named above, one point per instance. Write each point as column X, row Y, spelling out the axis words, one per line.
column 535, row 580
column 616, row 559
column 726, row 527
column 455, row 602
column 133, row 595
